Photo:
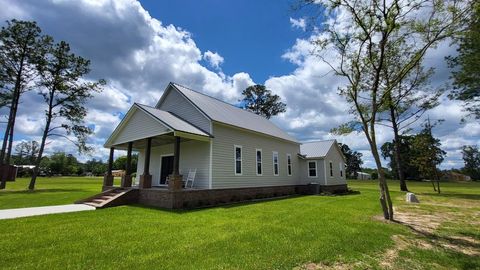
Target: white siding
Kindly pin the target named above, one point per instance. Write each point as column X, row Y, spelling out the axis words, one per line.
column 193, row 154
column 335, row 157
column 177, row 104
column 223, row 165
column 139, row 126
column 320, row 179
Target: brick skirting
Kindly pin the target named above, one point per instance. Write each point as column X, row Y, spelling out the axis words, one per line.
column 195, row 198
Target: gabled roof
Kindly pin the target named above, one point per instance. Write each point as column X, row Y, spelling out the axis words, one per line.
column 172, row 121
column 229, row 114
column 161, row 122
column 318, row 149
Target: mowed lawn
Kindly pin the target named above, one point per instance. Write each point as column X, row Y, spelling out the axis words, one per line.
column 297, row 232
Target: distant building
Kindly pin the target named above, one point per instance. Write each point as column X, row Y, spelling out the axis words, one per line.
column 454, row 176
column 363, row 176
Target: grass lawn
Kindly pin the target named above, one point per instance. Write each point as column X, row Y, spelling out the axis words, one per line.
column 298, row 232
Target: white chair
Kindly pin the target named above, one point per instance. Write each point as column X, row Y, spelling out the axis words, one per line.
column 190, row 178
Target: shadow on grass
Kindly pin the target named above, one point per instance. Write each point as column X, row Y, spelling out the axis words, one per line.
column 454, row 195
column 36, row 191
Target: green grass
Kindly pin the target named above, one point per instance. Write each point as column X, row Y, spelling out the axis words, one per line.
column 277, row 234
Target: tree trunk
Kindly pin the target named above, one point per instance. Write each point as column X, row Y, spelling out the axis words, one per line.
column 385, row 199
column 397, row 145
column 12, row 128
column 48, row 119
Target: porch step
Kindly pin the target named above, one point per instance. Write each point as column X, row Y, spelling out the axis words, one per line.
column 112, row 197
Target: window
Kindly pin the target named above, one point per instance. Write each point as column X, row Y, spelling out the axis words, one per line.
column 312, row 169
column 341, row 169
column 259, row 161
column 331, row 169
column 275, row 163
column 238, row 160
column 289, row 164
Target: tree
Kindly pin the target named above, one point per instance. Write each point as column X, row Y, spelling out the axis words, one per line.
column 21, row 46
column 65, row 92
column 466, row 74
column 359, row 49
column 354, row 160
column 428, row 154
column 26, row 152
column 471, row 157
column 258, row 99
column 121, row 162
column 97, row 167
column 63, row 164
column 406, row 154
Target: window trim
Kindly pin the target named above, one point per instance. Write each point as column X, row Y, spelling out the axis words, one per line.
column 256, row 161
column 330, row 166
column 289, row 165
column 273, row 163
column 235, row 159
column 308, row 169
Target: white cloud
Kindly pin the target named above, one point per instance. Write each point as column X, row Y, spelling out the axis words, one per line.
column 298, row 23
column 213, row 58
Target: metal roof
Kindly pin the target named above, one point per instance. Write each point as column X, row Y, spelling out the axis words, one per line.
column 318, row 149
column 172, row 121
column 223, row 112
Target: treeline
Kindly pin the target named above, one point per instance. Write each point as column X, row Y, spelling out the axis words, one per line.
column 61, row 163
column 31, row 61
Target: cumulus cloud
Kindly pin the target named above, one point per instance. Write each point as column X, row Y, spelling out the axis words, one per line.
column 298, row 23
column 213, row 58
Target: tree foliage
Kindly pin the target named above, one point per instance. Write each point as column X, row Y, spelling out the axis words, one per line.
column 471, row 157
column 258, row 99
column 354, row 160
column 26, row 152
column 65, row 93
column 120, row 163
column 466, row 68
column 360, row 42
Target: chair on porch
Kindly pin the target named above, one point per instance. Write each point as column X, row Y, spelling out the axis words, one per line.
column 190, row 178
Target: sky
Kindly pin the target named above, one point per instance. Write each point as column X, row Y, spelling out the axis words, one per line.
column 216, row 47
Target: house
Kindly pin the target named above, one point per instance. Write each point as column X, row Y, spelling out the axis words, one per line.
column 234, row 152
column 363, row 176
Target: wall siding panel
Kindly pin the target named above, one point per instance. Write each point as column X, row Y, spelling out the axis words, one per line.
column 223, row 174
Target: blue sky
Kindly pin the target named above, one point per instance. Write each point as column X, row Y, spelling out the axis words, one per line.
column 251, row 35
column 216, row 47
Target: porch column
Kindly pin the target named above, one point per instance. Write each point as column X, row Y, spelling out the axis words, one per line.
column 146, row 178
column 108, row 178
column 127, row 178
column 175, row 179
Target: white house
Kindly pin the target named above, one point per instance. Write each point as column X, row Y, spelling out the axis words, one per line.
column 230, row 148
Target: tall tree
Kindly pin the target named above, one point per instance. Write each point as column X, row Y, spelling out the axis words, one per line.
column 356, row 42
column 406, row 154
column 354, row 160
column 466, row 74
column 65, row 92
column 121, row 162
column 26, row 152
column 428, row 154
column 471, row 157
column 21, row 45
column 258, row 99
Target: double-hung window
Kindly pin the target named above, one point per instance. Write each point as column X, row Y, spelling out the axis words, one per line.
column 275, row 164
column 331, row 169
column 289, row 164
column 312, row 169
column 341, row 169
column 238, row 159
column 259, row 161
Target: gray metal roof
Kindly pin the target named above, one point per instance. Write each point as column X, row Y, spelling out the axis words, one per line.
column 223, row 112
column 172, row 121
column 318, row 149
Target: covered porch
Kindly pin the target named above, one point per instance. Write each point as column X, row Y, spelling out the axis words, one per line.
column 165, row 144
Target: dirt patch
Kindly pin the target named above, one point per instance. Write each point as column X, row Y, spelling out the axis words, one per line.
column 402, row 242
column 335, row 266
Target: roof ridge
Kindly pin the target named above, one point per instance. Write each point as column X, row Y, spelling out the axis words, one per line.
column 316, row 141
column 223, row 101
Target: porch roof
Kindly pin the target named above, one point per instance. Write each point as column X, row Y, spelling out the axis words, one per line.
column 142, row 121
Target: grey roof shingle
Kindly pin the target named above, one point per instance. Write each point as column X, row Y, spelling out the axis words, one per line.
column 318, row 149
column 223, row 112
column 172, row 121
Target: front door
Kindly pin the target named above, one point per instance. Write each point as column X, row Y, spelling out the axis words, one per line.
column 166, row 169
